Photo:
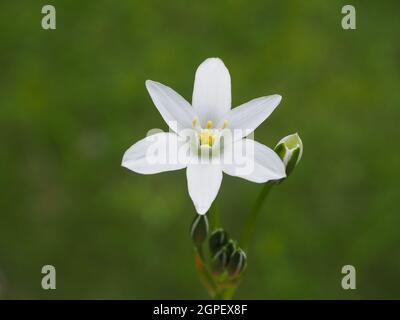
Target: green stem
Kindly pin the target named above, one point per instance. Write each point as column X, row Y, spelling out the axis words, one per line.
column 252, row 216
column 205, row 275
column 212, row 215
column 226, row 289
column 227, row 293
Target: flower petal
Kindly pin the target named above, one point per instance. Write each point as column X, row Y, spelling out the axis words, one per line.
column 248, row 116
column 175, row 110
column 154, row 154
column 254, row 162
column 204, row 181
column 212, row 91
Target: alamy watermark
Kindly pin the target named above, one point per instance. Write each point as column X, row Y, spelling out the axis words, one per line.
column 200, row 146
column 349, row 20
column 49, row 20
column 49, row 280
column 349, row 280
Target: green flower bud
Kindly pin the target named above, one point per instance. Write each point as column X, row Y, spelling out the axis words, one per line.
column 219, row 261
column 237, row 263
column 199, row 229
column 230, row 247
column 290, row 150
column 217, row 240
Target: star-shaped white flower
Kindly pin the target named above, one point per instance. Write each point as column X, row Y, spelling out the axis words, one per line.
column 208, row 137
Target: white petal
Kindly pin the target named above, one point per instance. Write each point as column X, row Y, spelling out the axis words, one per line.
column 212, row 91
column 175, row 110
column 204, row 182
column 254, row 162
column 154, row 154
column 248, row 116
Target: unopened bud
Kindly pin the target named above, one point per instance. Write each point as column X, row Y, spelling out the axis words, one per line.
column 290, row 150
column 199, row 229
column 230, row 247
column 237, row 263
column 217, row 241
column 220, row 261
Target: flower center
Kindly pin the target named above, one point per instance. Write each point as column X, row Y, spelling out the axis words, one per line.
column 208, row 135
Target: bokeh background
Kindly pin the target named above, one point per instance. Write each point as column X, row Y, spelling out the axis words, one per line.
column 72, row 100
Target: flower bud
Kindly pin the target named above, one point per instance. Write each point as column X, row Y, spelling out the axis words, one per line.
column 230, row 247
column 237, row 263
column 199, row 229
column 219, row 261
column 290, row 150
column 218, row 239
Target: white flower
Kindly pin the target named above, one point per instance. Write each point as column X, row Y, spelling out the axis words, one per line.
column 208, row 137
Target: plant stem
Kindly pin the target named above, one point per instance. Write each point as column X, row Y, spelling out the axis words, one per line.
column 252, row 216
column 213, row 218
column 227, row 293
column 205, row 276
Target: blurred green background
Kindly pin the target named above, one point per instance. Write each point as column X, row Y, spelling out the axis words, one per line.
column 72, row 100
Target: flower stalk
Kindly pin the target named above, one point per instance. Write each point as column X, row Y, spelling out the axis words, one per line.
column 213, row 217
column 252, row 216
column 204, row 273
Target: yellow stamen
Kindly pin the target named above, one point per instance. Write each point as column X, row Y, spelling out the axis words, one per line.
column 211, row 140
column 194, row 122
column 225, row 124
column 209, row 124
column 207, row 137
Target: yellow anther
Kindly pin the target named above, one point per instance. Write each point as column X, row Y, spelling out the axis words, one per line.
column 225, row 124
column 207, row 137
column 211, row 139
column 209, row 124
column 194, row 122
